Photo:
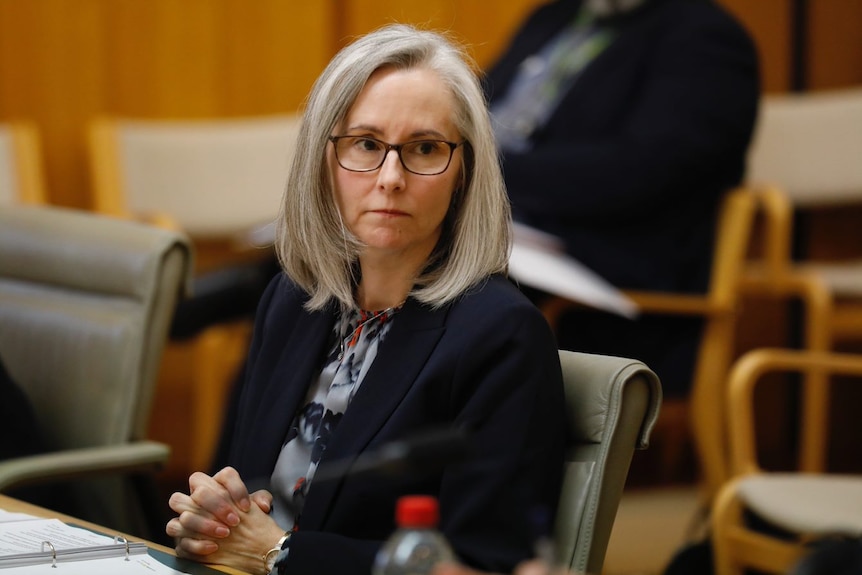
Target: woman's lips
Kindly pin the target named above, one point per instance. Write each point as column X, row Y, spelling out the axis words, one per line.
column 389, row 212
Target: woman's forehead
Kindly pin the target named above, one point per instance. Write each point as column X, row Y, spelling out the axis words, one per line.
column 413, row 101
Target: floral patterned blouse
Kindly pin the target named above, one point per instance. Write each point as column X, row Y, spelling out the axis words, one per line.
column 358, row 333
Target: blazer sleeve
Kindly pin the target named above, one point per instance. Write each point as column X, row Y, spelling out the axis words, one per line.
column 508, row 393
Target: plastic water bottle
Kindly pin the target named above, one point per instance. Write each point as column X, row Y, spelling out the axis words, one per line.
column 416, row 546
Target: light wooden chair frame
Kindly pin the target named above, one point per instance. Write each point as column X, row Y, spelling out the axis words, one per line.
column 26, row 148
column 737, row 546
column 719, row 309
column 805, row 154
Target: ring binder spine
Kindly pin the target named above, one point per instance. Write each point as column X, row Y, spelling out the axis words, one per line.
column 53, row 552
column 121, row 547
column 123, row 540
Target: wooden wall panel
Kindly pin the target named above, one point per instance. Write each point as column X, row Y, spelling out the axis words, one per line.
column 213, row 57
column 483, row 26
column 50, row 70
column 161, row 58
column 64, row 61
column 835, row 40
column 280, row 49
column 769, row 23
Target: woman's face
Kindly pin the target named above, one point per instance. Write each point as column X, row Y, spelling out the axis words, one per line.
column 394, row 212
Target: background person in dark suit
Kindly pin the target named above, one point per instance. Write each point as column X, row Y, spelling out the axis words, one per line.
column 20, row 436
column 392, row 315
column 621, row 124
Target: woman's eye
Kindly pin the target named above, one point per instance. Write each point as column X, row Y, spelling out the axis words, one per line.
column 426, row 148
column 367, row 145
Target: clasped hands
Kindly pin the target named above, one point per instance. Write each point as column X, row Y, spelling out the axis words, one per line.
column 219, row 521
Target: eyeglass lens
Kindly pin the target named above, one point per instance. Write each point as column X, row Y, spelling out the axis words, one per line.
column 361, row 153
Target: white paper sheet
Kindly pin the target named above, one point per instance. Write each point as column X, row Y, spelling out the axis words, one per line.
column 28, row 535
column 13, row 516
column 22, row 533
column 137, row 565
column 538, row 260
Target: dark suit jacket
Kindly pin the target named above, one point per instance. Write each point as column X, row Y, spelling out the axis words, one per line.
column 630, row 167
column 20, row 433
column 487, row 363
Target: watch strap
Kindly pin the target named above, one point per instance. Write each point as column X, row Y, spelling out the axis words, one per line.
column 270, row 556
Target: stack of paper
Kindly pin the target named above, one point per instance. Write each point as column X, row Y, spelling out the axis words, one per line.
column 538, row 260
column 31, row 545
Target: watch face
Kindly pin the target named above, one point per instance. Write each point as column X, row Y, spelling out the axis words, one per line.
column 271, row 556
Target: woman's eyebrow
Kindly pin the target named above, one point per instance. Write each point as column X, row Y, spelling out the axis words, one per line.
column 415, row 135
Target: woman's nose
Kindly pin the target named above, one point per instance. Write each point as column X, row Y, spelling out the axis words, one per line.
column 392, row 171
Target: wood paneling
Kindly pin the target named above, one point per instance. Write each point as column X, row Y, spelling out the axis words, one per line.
column 50, row 71
column 835, row 43
column 483, row 27
column 770, row 23
column 832, row 46
column 63, row 61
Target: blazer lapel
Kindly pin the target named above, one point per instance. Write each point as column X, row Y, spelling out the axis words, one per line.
column 285, row 389
column 411, row 340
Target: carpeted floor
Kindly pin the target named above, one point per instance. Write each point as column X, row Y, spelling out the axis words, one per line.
column 651, row 526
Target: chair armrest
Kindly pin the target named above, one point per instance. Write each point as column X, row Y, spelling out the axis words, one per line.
column 90, row 461
column 677, row 303
column 648, row 303
column 778, row 228
column 750, row 369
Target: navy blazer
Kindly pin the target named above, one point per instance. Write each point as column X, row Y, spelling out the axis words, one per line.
column 487, row 363
column 631, row 166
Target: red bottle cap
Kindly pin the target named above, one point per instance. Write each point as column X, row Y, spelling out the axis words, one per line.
column 417, row 511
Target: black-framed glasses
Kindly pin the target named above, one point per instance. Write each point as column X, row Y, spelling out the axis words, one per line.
column 366, row 154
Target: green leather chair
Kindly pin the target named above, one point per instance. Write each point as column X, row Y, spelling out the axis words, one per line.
column 613, row 404
column 85, row 306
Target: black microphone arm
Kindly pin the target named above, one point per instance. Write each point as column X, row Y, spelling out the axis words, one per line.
column 427, row 450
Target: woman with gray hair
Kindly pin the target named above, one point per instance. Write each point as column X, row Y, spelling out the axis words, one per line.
column 393, row 316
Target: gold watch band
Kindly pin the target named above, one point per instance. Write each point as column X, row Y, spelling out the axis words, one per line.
column 270, row 556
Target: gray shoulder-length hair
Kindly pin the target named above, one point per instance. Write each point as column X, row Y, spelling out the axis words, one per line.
column 316, row 250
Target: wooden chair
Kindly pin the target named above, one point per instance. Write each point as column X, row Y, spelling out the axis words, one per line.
column 804, row 506
column 805, row 156
column 215, row 179
column 613, row 404
column 719, row 309
column 807, row 146
column 21, row 171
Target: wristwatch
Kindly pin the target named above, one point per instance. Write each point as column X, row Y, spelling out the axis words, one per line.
column 270, row 556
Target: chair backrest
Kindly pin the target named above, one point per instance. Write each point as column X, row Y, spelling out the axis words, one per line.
column 810, row 145
column 719, row 309
column 21, row 176
column 85, row 306
column 213, row 177
column 612, row 404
